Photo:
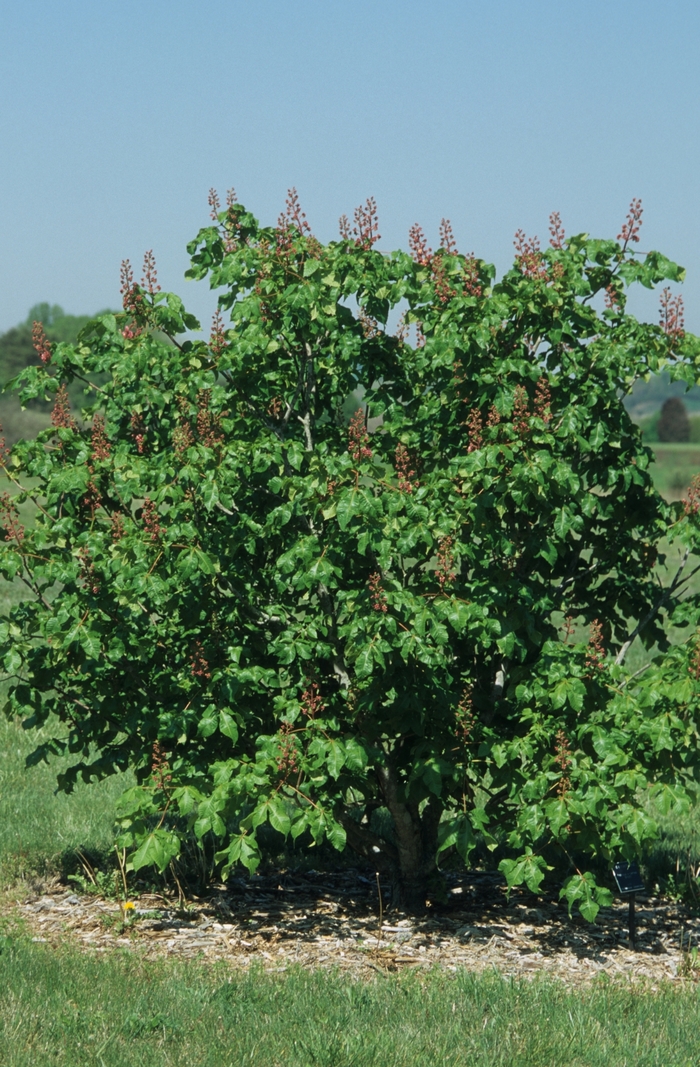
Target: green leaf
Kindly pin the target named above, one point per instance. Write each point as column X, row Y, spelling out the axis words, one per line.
column 311, row 266
column 227, row 725
column 337, row 836
column 209, row 722
column 279, row 816
column 159, row 848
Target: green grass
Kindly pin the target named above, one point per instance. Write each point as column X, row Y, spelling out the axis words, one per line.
column 39, row 827
column 69, row 1010
column 674, row 468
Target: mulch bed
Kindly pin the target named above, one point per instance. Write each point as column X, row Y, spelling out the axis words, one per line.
column 332, row 919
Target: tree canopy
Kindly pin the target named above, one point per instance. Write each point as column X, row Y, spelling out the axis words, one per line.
column 406, row 641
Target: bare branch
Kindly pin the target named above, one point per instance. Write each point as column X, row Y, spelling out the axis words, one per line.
column 226, row 511
column 306, row 423
column 500, row 680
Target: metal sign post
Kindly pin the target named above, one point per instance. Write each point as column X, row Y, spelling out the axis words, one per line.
column 629, row 882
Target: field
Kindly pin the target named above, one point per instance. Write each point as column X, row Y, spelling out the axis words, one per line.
column 117, row 1011
column 674, row 468
column 64, row 1006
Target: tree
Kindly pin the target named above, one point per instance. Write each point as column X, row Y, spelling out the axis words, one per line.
column 275, row 616
column 674, row 424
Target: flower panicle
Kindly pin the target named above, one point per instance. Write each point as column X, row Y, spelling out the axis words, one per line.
column 41, row 343
column 358, row 438
column 632, row 224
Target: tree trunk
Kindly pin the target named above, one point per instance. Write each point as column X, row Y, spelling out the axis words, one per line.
column 416, row 841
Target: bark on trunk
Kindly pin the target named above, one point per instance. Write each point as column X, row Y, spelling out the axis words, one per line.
column 416, row 840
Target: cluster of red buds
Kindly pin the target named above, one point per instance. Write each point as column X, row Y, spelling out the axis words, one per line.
column 401, row 328
column 543, row 401
column 366, row 231
column 160, row 767
column 117, row 526
column 528, row 256
column 420, row 336
column 209, row 430
column 443, row 290
column 231, row 221
column 691, row 502
column 331, row 486
column 9, row 519
column 420, row 249
column 694, row 661
column 311, row 702
column 295, row 215
column 447, row 238
column 275, row 407
column 284, row 246
column 672, row 319
column 183, row 438
column 288, row 757
column 88, row 573
column 358, row 438
column 138, row 431
column 405, row 470
column 291, row 219
column 149, row 281
column 344, row 227
column 132, row 301
column 475, row 430
column 214, row 205
column 556, row 230
column 595, row 652
column 377, row 595
column 61, row 417
column 612, row 297
column 632, row 225
column 465, row 719
column 472, row 285
column 521, row 411
column 100, row 441
column 444, row 570
column 568, row 628
column 494, row 417
column 562, row 760
column 199, row 665
column 4, row 450
column 370, row 326
column 151, row 522
column 41, row 343
column 93, row 498
column 217, row 338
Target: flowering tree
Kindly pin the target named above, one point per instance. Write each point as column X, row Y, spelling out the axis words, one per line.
column 277, row 617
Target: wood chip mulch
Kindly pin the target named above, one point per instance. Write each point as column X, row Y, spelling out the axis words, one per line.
column 331, row 920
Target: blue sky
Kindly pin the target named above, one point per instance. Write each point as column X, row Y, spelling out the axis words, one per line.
column 116, row 118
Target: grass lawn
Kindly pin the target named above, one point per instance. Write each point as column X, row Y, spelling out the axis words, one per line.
column 116, row 1011
column 674, row 468
column 38, row 825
